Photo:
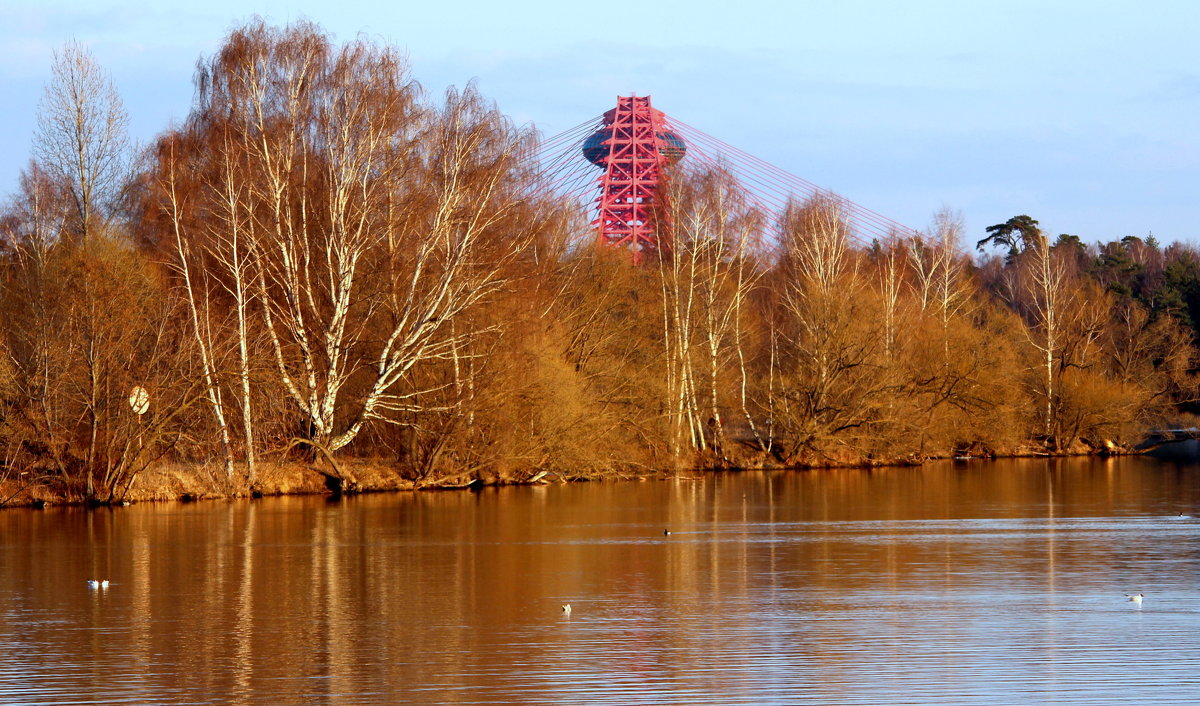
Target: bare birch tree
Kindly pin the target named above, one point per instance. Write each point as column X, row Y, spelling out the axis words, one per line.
column 832, row 383
column 195, row 275
column 1046, row 285
column 376, row 221
column 706, row 280
column 1065, row 320
column 81, row 133
column 890, row 261
column 937, row 267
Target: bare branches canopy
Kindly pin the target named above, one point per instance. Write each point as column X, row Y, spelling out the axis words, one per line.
column 81, row 134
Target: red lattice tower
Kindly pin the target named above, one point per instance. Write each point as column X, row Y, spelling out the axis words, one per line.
column 635, row 146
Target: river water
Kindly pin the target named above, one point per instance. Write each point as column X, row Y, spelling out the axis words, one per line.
column 977, row 583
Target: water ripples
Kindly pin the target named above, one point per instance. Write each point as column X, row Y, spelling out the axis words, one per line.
column 756, row 596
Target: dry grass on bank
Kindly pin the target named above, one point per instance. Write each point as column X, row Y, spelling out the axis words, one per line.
column 188, row 482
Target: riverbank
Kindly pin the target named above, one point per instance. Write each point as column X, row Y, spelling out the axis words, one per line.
column 190, row 482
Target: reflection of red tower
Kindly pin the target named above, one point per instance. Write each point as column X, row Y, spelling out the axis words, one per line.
column 634, row 146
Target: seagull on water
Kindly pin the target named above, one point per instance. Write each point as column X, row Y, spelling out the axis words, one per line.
column 1136, row 598
column 93, row 583
column 567, row 609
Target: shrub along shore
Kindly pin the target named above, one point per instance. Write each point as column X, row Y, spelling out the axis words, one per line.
column 191, row 483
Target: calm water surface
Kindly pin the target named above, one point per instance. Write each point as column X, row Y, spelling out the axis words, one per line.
column 966, row 584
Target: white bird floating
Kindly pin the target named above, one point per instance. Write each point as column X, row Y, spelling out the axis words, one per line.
column 567, row 609
column 93, row 583
column 1136, row 598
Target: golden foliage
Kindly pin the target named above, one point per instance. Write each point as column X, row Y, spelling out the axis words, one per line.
column 324, row 255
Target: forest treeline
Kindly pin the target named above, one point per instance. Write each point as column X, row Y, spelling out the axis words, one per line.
column 323, row 262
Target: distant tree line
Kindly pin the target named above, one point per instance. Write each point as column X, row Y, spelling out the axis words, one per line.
column 323, row 262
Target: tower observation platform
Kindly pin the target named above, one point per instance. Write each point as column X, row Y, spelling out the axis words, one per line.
column 639, row 150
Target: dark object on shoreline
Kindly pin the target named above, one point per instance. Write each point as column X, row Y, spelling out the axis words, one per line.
column 1180, row 445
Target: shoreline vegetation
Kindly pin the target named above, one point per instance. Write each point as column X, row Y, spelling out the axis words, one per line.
column 326, row 279
column 192, row 483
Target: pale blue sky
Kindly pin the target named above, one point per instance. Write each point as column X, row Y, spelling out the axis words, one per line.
column 1081, row 114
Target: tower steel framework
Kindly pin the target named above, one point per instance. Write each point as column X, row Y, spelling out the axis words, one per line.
column 635, row 146
column 638, row 146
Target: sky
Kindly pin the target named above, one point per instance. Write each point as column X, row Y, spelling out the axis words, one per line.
column 1082, row 115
